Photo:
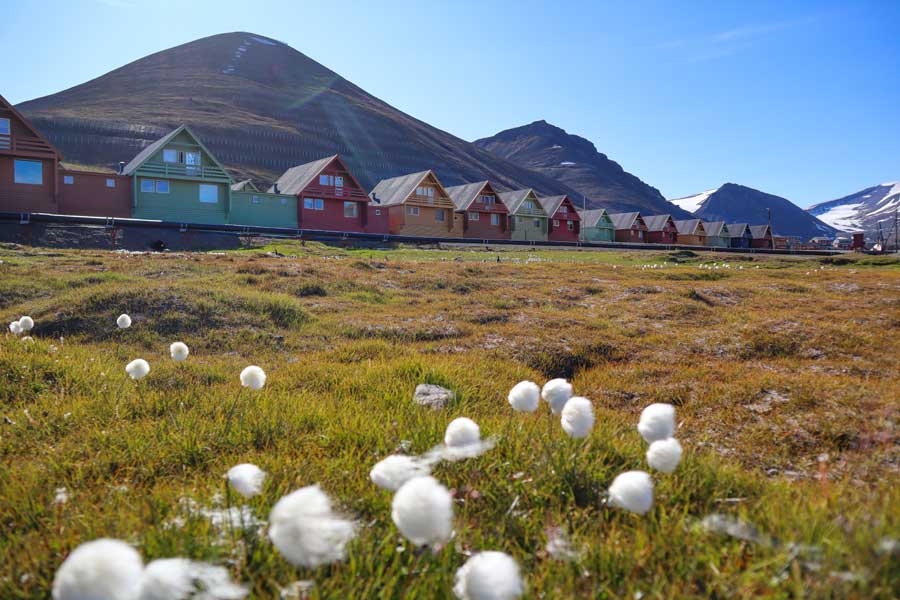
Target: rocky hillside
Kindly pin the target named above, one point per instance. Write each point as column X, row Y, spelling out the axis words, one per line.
column 862, row 211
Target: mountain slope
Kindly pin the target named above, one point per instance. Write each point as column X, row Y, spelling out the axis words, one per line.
column 575, row 162
column 735, row 203
column 861, row 211
column 261, row 107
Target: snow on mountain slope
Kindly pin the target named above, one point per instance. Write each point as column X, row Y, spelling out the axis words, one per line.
column 860, row 211
column 693, row 203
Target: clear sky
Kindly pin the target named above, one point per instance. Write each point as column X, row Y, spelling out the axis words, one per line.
column 799, row 99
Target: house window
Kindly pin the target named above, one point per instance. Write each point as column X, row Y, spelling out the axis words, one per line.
column 308, row 203
column 424, row 190
column 473, row 216
column 487, row 199
column 4, row 127
column 110, row 183
column 412, row 211
column 495, row 219
column 209, row 194
column 255, row 200
column 170, row 156
column 556, row 222
column 30, row 172
column 529, row 204
column 284, row 201
column 338, row 181
column 564, row 209
column 377, row 212
column 148, row 186
column 537, row 223
column 314, row 203
column 326, row 179
column 439, row 215
column 162, row 186
column 68, row 179
column 320, row 204
column 350, row 210
column 571, row 225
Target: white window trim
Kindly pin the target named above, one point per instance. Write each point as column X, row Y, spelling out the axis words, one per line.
column 495, row 219
column 68, row 179
column 355, row 210
column 165, row 181
column 412, row 211
column 152, row 183
column 474, row 215
column 24, row 160
column 207, row 186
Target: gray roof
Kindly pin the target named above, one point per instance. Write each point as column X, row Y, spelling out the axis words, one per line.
column 464, row 195
column 689, row 227
column 624, row 220
column 246, row 185
column 760, row 231
column 591, row 217
column 551, row 204
column 397, row 189
column 657, row 222
column 150, row 150
column 294, row 180
column 715, row 228
column 736, row 229
column 514, row 199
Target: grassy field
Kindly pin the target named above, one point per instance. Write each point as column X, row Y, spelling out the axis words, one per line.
column 784, row 374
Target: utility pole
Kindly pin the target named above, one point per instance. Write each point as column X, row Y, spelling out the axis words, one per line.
column 771, row 231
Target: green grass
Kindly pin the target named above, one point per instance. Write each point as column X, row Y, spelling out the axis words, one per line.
column 346, row 335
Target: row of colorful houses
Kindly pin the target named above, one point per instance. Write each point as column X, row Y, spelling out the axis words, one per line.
column 178, row 179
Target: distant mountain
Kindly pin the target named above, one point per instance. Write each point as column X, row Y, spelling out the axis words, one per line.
column 575, row 162
column 861, row 211
column 261, row 107
column 735, row 203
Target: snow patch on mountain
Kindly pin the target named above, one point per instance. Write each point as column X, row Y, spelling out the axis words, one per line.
column 693, row 203
column 843, row 217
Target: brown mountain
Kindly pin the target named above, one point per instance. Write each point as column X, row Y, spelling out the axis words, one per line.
column 575, row 162
column 261, row 107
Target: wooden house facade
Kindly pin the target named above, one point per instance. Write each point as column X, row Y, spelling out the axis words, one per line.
column 28, row 165
column 564, row 222
column 661, row 229
column 596, row 226
column 629, row 227
column 527, row 219
column 417, row 205
column 93, row 193
column 762, row 236
column 177, row 179
column 328, row 197
column 739, row 235
column 484, row 216
column 717, row 234
column 691, row 232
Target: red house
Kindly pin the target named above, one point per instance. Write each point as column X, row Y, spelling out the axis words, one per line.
column 484, row 216
column 660, row 229
column 28, row 165
column 630, row 227
column 329, row 197
column 762, row 236
column 565, row 222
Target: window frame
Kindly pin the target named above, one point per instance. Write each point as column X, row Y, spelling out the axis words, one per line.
column 255, row 200
column 355, row 210
column 110, row 182
column 152, row 186
column 166, row 152
column 412, row 211
column 207, row 186
column 68, row 179
column 495, row 219
column 440, row 216
column 165, row 183
column 570, row 225
column 8, row 126
column 556, row 222
column 537, row 223
column 23, row 161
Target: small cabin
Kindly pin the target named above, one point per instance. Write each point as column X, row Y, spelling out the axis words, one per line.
column 717, row 234
column 629, row 227
column 660, row 229
column 596, row 226
column 484, row 216
column 762, row 236
column 739, row 235
column 28, row 165
column 564, row 224
column 821, row 242
column 93, row 193
column 417, row 205
column 527, row 220
column 691, row 232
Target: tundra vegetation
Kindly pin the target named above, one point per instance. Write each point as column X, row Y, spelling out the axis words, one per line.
column 783, row 373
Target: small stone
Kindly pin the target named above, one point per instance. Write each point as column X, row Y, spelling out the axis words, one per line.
column 433, row 396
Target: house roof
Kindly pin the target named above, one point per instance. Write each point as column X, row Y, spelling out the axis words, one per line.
column 624, row 220
column 551, row 204
column 592, row 217
column 715, row 228
column 294, row 180
column 514, row 199
column 153, row 148
column 464, row 195
column 760, row 231
column 736, row 229
column 690, row 227
column 397, row 189
column 657, row 222
column 246, row 185
column 5, row 104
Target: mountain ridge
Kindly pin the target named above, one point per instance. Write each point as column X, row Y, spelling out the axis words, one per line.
column 862, row 210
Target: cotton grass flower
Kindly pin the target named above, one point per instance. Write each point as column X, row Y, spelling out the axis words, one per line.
column 657, row 422
column 137, row 369
column 633, row 491
column 578, row 417
column 393, row 471
column 489, row 576
column 15, row 328
column 524, row 396
column 246, row 479
column 103, row 569
column 423, row 511
column 556, row 393
column 124, row 321
column 664, row 455
column 26, row 323
column 462, row 439
column 179, row 351
column 253, row 377
column 181, row 579
column 305, row 529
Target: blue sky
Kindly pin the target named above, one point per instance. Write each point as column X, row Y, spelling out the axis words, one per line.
column 799, row 99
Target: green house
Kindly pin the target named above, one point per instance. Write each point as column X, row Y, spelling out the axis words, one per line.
column 176, row 178
column 596, row 226
column 717, row 234
column 249, row 206
column 527, row 219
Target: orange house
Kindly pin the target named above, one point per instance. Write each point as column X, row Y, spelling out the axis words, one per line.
column 417, row 205
column 28, row 165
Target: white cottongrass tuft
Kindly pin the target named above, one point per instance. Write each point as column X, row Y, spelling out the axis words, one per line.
column 26, row 323
column 179, row 351
column 181, row 579
column 423, row 511
column 305, row 529
column 633, row 491
column 253, row 377
column 15, row 328
column 462, row 432
column 462, row 439
column 489, row 576
column 103, row 569
column 395, row 470
column 578, row 417
column 246, row 479
column 137, row 369
column 556, row 393
column 61, row 496
column 124, row 321
column 657, row 422
column 664, row 455
column 524, row 396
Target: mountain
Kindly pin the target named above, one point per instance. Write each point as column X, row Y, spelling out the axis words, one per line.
column 735, row 203
column 863, row 210
column 261, row 107
column 575, row 162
